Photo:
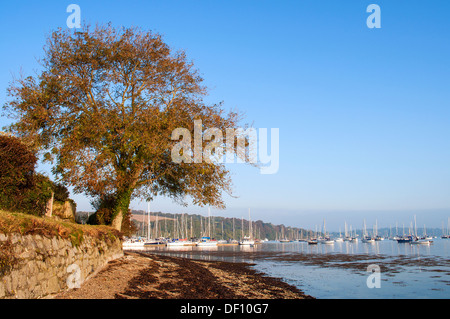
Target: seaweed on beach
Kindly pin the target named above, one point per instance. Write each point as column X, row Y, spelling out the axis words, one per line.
column 357, row 263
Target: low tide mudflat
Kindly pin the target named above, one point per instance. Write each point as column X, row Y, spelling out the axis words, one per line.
column 141, row 276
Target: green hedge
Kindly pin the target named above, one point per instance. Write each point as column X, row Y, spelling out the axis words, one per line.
column 21, row 188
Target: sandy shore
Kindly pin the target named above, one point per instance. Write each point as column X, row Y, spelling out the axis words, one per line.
column 139, row 276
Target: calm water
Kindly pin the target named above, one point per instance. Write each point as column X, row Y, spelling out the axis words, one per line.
column 340, row 270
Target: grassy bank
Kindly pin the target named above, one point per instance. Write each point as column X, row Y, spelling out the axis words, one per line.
column 25, row 224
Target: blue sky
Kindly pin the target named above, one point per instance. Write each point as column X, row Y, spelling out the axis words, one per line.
column 363, row 113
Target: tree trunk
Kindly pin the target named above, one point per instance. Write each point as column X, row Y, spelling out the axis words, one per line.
column 123, row 200
column 117, row 221
column 49, row 207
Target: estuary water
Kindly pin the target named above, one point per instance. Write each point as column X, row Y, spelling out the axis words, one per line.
column 343, row 270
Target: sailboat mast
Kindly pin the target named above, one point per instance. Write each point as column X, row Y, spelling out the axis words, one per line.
column 156, row 226
column 376, row 228
column 174, row 226
column 250, row 224
column 448, row 226
column 186, row 224
column 209, row 222
column 234, row 237
column 201, row 227
column 365, row 231
column 415, row 226
column 148, row 221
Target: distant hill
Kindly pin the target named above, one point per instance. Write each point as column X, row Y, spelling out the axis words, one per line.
column 194, row 225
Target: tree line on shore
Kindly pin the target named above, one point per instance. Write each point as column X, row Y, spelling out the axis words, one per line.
column 194, row 225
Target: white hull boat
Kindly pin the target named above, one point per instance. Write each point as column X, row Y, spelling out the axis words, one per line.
column 207, row 244
column 247, row 242
column 131, row 244
column 175, row 244
column 421, row 242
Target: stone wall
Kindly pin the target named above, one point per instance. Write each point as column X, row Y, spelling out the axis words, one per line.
column 34, row 266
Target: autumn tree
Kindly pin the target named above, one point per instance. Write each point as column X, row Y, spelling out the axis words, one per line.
column 103, row 109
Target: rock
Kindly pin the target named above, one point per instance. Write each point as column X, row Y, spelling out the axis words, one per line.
column 2, row 290
column 53, row 285
column 55, row 244
column 66, row 210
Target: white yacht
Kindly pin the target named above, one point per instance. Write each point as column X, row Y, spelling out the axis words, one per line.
column 247, row 241
column 207, row 242
column 133, row 243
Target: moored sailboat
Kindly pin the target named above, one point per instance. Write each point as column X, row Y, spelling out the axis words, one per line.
column 207, row 242
column 133, row 243
column 421, row 242
column 366, row 238
column 326, row 239
column 248, row 240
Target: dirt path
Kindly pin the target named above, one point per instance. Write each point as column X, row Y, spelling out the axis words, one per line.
column 153, row 276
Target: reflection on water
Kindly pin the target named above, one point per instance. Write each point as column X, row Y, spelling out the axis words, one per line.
column 386, row 247
column 339, row 270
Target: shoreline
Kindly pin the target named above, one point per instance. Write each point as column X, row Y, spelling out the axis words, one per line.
column 150, row 276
